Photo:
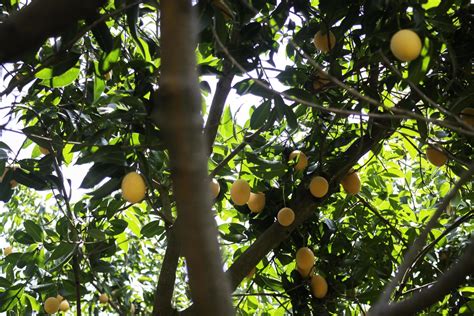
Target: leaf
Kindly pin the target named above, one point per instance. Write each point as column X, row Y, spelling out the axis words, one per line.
column 63, row 250
column 10, row 298
column 117, row 227
column 23, row 237
column 107, row 188
column 99, row 172
column 34, row 230
column 63, row 80
column 260, row 115
column 152, row 229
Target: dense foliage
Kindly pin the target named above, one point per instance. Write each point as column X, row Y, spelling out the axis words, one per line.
column 89, row 103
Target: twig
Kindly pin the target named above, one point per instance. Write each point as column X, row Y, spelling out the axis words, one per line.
column 420, row 241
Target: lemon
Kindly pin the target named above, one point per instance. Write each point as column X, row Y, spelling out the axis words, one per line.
column 405, row 45
column 133, row 187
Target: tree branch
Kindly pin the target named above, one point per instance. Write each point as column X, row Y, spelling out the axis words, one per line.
column 178, row 115
column 426, row 297
column 412, row 253
column 28, row 28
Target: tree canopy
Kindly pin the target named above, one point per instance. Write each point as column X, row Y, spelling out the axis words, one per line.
column 177, row 90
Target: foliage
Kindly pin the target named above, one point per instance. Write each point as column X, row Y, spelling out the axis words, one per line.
column 90, row 105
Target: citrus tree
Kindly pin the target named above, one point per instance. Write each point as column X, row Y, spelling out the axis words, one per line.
column 250, row 157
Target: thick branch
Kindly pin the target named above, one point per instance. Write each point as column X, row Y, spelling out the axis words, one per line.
column 180, row 120
column 449, row 281
column 217, row 106
column 27, row 29
column 164, row 290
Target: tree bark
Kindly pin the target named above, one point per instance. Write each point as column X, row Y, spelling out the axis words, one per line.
column 27, row 29
column 178, row 114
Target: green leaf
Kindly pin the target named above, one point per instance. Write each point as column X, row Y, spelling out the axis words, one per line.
column 62, row 250
column 10, row 298
column 34, row 230
column 152, row 229
column 117, row 227
column 23, row 237
column 260, row 115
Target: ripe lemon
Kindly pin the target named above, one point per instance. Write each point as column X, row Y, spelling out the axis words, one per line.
column 304, row 258
column 64, row 306
column 467, row 115
column 302, row 160
column 435, row 156
column 305, row 273
column 60, row 297
column 351, row 182
column 405, row 45
column 318, row 186
column 256, row 202
column 215, row 188
column 133, row 187
column 103, row 298
column 319, row 286
column 324, row 41
column 51, row 305
column 240, row 192
column 7, row 250
column 44, row 151
column 286, row 216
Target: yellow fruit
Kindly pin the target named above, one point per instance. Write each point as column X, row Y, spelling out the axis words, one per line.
column 286, row 216
column 304, row 258
column 64, row 306
column 51, row 305
column 351, row 182
column 44, row 151
column 240, row 192
column 256, row 202
column 59, row 297
column 324, row 41
column 215, row 188
column 405, row 45
column 251, row 273
column 103, row 298
column 302, row 160
column 7, row 250
column 318, row 186
column 133, row 187
column 467, row 115
column 435, row 156
column 319, row 286
column 305, row 273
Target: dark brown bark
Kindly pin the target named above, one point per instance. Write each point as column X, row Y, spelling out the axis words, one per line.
column 179, row 118
column 27, row 29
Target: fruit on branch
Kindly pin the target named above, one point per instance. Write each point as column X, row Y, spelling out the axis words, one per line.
column 51, row 305
column 64, row 306
column 324, row 41
column 215, row 188
column 436, row 156
column 286, row 216
column 103, row 298
column 240, row 192
column 319, row 286
column 318, row 186
column 304, row 258
column 321, row 81
column 133, row 187
column 405, row 45
column 301, row 160
column 256, row 202
column 7, row 250
column 351, row 182
column 467, row 115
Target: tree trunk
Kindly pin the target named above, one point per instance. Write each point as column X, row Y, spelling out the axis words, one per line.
column 178, row 115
